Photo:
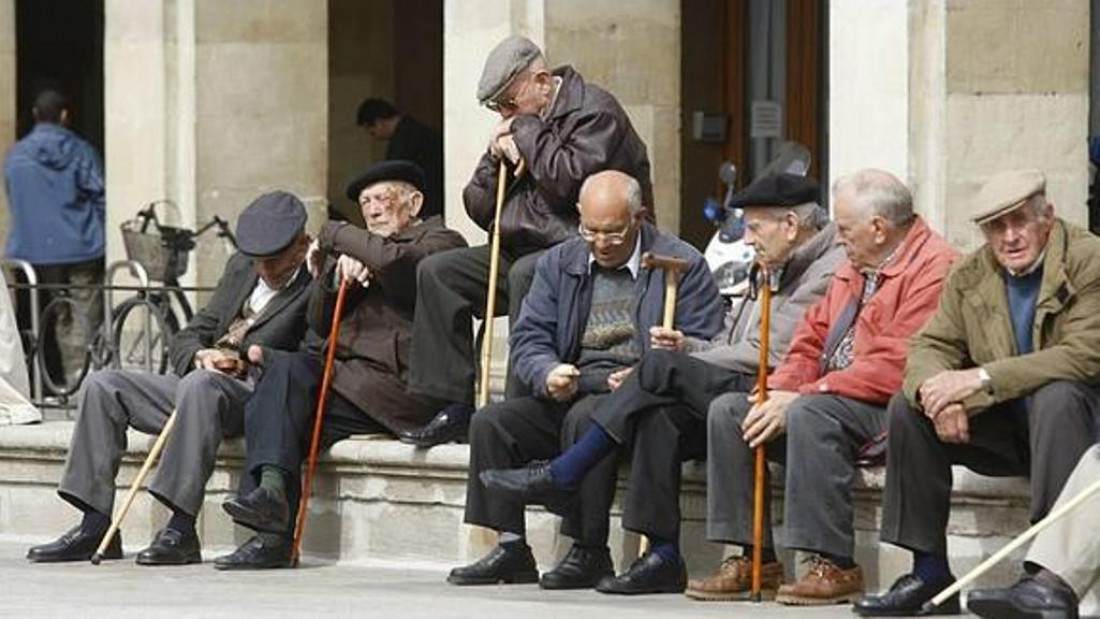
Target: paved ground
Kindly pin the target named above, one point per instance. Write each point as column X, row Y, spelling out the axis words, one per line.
column 121, row 589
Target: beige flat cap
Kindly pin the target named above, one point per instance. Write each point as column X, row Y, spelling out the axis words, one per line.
column 1006, row 191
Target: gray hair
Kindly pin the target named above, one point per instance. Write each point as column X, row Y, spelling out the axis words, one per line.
column 878, row 193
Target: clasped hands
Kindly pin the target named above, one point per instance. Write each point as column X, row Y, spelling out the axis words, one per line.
column 941, row 397
column 501, row 143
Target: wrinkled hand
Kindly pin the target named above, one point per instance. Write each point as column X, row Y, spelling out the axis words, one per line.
column 665, row 339
column 953, row 424
column 768, row 419
column 256, row 355
column 315, row 258
column 616, row 378
column 562, row 382
column 208, row 358
column 495, row 145
column 946, row 388
column 351, row 269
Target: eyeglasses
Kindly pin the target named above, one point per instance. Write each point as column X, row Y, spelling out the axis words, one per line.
column 612, row 238
column 498, row 105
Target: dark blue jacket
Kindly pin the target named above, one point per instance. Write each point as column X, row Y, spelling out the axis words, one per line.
column 555, row 311
column 56, row 194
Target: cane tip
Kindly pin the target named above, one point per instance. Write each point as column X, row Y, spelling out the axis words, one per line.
column 97, row 559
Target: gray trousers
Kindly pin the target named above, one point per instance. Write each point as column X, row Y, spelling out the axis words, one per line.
column 210, row 404
column 822, row 442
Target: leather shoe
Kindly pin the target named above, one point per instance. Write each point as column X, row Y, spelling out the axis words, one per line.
column 171, row 547
column 76, row 544
column 582, row 568
column 260, row 510
column 260, row 552
column 533, row 485
column 510, row 564
column 450, row 424
column 906, row 598
column 649, row 573
column 1029, row 598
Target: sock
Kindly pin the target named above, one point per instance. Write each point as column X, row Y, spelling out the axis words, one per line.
column 666, row 549
column 570, row 468
column 507, row 538
column 768, row 554
column 931, row 568
column 95, row 523
column 273, row 480
column 181, row 521
column 842, row 562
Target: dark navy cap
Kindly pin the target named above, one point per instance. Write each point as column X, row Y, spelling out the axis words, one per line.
column 395, row 170
column 777, row 190
column 270, row 224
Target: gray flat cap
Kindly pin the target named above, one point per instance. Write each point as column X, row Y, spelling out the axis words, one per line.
column 1005, row 192
column 270, row 224
column 505, row 62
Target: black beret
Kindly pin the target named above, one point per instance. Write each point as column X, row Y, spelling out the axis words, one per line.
column 394, row 170
column 270, row 224
column 777, row 190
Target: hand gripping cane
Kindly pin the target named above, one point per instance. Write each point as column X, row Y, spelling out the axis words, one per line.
column 318, row 419
column 760, row 464
column 154, row 451
column 672, row 267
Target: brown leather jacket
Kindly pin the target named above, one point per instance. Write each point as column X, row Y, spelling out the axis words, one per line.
column 587, row 131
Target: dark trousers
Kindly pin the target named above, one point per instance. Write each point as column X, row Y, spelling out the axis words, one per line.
column 1041, row 436
column 278, row 419
column 659, row 413
column 511, row 433
column 451, row 287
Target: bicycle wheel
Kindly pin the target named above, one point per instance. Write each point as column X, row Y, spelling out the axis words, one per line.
column 135, row 346
column 62, row 351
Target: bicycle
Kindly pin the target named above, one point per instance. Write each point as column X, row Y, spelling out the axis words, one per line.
column 137, row 333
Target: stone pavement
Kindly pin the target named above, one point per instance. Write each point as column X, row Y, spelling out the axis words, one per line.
column 120, row 589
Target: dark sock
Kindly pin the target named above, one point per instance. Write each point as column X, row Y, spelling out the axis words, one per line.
column 666, row 549
column 182, row 522
column 570, row 468
column 768, row 554
column 514, row 543
column 273, row 480
column 931, row 568
column 95, row 523
column 842, row 562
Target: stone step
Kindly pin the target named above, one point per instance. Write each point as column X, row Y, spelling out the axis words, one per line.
column 380, row 499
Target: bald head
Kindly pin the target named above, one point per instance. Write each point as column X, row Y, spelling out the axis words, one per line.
column 611, row 188
column 610, row 204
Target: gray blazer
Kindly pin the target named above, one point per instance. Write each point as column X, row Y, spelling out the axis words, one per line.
column 282, row 324
column 803, row 283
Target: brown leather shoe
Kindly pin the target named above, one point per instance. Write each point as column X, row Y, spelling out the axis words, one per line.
column 734, row 581
column 824, row 583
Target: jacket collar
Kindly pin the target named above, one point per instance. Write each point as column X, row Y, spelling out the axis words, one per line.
column 415, row 231
column 570, row 94
column 810, row 251
column 575, row 252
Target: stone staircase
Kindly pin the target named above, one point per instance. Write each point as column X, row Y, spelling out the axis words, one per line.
column 377, row 498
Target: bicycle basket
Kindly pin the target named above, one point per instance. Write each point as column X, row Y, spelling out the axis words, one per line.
column 161, row 252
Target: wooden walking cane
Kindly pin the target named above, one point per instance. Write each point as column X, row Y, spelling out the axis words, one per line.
column 760, row 464
column 672, row 267
column 491, row 292
column 318, row 419
column 154, row 451
column 1020, row 540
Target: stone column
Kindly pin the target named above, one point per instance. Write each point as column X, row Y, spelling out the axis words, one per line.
column 7, row 102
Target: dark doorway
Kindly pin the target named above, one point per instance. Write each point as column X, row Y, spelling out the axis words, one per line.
column 59, row 44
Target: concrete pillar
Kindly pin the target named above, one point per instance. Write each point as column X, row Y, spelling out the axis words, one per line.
column 209, row 104
column 7, row 102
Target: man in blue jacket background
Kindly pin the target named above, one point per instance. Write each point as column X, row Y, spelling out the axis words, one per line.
column 586, row 319
column 55, row 189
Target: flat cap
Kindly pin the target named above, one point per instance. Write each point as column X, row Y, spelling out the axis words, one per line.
column 392, row 170
column 270, row 224
column 777, row 190
column 505, row 62
column 1006, row 191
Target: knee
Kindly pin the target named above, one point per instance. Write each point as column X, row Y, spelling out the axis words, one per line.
column 484, row 425
column 434, row 268
column 655, row 366
column 725, row 414
column 1053, row 402
column 805, row 418
column 99, row 382
column 200, row 384
column 902, row 418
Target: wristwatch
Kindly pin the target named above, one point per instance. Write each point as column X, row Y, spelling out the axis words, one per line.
column 986, row 380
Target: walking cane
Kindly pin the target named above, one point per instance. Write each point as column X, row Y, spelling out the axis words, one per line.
column 158, row 445
column 672, row 267
column 491, row 293
column 318, row 418
column 1020, row 540
column 760, row 464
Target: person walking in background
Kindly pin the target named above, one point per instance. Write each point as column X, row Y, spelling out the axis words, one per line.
column 410, row 140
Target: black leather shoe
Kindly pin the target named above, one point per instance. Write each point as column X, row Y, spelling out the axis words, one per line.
column 1030, row 598
column 532, row 484
column 260, row 552
column 511, row 564
column 172, row 547
column 259, row 510
column 75, row 545
column 450, row 424
column 907, row 598
column 649, row 573
column 581, row 568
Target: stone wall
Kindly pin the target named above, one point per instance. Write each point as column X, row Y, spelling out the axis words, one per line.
column 7, row 102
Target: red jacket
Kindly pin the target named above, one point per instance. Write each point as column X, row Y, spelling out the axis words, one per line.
column 906, row 298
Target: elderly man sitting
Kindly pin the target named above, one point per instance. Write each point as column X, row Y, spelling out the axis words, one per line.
column 372, row 355
column 1001, row 380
